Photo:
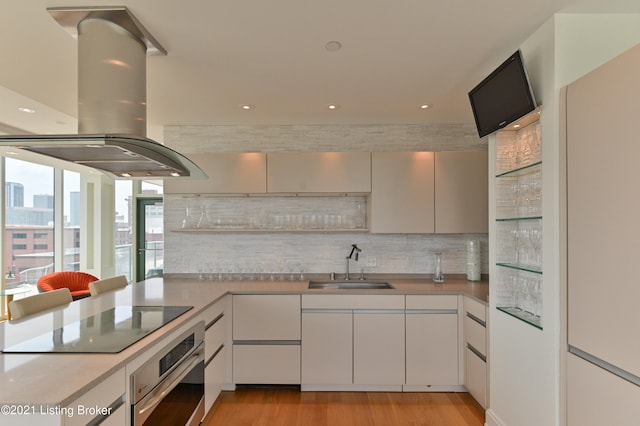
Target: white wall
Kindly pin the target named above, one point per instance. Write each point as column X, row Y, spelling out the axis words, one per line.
column 526, row 364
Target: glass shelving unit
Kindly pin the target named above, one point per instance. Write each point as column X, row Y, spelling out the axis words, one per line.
column 519, row 220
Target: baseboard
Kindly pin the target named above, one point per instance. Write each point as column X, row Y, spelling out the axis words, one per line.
column 351, row 388
column 416, row 388
column 491, row 419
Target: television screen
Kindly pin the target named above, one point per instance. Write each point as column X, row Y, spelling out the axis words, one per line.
column 503, row 97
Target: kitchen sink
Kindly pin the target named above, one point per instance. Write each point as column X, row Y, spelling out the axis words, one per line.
column 350, row 285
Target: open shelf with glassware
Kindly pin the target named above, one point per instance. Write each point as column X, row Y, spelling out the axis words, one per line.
column 269, row 213
column 519, row 220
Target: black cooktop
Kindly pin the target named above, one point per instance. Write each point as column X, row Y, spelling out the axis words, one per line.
column 108, row 332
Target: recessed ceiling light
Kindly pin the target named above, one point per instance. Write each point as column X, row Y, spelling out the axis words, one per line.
column 125, row 174
column 516, row 126
column 425, row 106
column 333, row 46
column 174, row 174
column 247, row 107
column 27, row 110
column 332, row 106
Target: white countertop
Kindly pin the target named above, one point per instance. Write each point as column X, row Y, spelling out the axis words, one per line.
column 61, row 378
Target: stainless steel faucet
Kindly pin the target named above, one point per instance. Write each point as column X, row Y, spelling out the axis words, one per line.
column 354, row 249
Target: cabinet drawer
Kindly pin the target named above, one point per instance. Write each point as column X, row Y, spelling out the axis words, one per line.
column 475, row 334
column 266, row 364
column 475, row 308
column 476, row 377
column 447, row 302
column 352, row 301
column 266, row 317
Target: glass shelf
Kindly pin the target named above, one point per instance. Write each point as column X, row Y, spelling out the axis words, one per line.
column 517, row 267
column 516, row 219
column 522, row 171
column 522, row 315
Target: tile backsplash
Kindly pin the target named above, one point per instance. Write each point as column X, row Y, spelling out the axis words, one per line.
column 267, row 251
column 320, row 251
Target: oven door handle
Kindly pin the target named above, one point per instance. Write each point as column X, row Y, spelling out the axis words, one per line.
column 156, row 396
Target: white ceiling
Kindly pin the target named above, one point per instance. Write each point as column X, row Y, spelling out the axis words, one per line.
column 396, row 55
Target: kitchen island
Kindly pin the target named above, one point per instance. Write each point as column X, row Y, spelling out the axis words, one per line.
column 57, row 380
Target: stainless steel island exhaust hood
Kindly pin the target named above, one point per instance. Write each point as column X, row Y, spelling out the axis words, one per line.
column 112, row 49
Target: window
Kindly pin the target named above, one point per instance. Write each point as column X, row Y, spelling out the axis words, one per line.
column 71, row 237
column 39, row 236
column 29, row 195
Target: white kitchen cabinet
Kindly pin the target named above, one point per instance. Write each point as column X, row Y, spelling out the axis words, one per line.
column 475, row 350
column 266, row 317
column 327, row 347
column 461, row 192
column 402, row 192
column 215, row 349
column 266, row 339
column 109, row 393
column 300, row 172
column 214, row 377
column 266, row 363
column 352, row 342
column 596, row 397
column 228, row 173
column 432, row 343
column 378, row 347
column 476, row 376
column 603, row 229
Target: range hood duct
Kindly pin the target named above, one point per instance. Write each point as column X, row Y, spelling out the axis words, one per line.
column 112, row 50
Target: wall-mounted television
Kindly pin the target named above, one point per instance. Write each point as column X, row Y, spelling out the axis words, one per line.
column 503, row 97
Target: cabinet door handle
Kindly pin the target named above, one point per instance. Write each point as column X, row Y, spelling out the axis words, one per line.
column 476, row 319
column 476, row 352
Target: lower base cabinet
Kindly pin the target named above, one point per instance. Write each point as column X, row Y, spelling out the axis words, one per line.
column 214, row 377
column 432, row 342
column 266, row 339
column 476, row 376
column 475, row 350
column 266, row 364
column 432, row 350
column 378, row 348
column 327, row 348
column 353, row 342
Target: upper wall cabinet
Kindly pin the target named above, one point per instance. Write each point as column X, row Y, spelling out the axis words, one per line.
column 229, row 173
column 402, row 192
column 319, row 172
column 462, row 192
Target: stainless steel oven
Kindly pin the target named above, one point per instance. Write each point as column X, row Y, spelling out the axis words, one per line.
column 169, row 388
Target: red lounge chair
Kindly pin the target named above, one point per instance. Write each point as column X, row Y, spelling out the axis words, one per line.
column 77, row 282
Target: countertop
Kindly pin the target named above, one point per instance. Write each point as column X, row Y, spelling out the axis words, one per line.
column 58, row 379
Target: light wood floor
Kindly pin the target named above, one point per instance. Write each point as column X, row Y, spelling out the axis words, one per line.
column 282, row 407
